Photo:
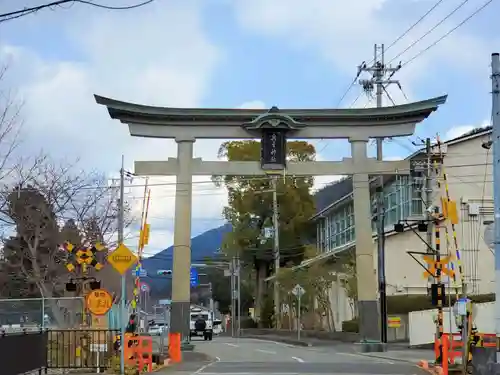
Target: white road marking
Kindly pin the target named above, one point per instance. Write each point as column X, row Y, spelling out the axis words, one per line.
column 377, row 359
column 298, row 359
column 283, row 344
column 265, row 351
column 203, row 368
column 233, row 345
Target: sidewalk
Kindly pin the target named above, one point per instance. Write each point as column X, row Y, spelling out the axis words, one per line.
column 396, row 352
column 413, row 356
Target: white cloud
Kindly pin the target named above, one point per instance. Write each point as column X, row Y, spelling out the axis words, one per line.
column 321, row 181
column 460, row 130
column 128, row 56
column 344, row 33
column 254, row 104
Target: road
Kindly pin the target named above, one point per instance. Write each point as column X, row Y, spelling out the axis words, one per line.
column 231, row 356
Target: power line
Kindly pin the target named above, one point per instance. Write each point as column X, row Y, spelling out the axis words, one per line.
column 390, row 45
column 449, row 32
column 459, row 6
column 414, row 25
column 26, row 11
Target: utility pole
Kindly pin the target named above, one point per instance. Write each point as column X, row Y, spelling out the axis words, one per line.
column 238, row 275
column 276, row 252
column 121, row 220
column 380, row 81
column 495, row 81
column 428, row 195
column 232, row 269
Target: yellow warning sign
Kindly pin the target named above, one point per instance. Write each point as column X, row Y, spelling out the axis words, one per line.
column 122, row 259
column 393, row 321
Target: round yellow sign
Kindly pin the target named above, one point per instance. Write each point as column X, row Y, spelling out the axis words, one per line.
column 99, row 301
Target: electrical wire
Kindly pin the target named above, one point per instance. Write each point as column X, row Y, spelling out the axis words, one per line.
column 26, row 11
column 477, row 11
column 414, row 25
column 459, row 6
column 390, row 45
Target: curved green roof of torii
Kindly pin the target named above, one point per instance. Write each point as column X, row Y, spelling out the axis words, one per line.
column 151, row 115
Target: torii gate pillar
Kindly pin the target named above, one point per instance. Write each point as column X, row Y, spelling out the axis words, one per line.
column 356, row 125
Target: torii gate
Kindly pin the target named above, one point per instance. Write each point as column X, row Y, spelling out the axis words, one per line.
column 185, row 125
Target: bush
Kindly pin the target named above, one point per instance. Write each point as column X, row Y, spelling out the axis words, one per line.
column 248, row 322
column 350, row 326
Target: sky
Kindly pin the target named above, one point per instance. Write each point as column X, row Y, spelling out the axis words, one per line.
column 234, row 53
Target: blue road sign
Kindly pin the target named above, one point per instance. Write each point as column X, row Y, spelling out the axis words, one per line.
column 139, row 273
column 193, row 277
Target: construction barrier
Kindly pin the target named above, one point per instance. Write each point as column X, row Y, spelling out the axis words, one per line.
column 139, row 352
column 174, row 347
column 454, row 347
column 483, row 349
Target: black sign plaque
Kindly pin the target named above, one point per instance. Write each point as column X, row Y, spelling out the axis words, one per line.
column 273, row 149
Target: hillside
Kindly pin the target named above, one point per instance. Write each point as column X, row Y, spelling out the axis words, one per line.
column 203, row 246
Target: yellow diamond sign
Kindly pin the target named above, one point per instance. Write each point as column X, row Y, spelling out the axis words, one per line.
column 122, row 259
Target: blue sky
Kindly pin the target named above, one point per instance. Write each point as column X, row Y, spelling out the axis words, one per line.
column 229, row 53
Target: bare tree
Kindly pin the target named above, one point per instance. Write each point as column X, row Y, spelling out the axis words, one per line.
column 10, row 127
column 46, row 196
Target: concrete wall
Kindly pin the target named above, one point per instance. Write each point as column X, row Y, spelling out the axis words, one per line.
column 470, row 184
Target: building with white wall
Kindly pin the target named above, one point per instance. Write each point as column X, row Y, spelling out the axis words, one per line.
column 469, row 173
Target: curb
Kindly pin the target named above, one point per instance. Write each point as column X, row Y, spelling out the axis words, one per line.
column 414, row 362
column 279, row 339
column 433, row 370
column 166, row 364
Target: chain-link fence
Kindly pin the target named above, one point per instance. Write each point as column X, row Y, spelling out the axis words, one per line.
column 36, row 313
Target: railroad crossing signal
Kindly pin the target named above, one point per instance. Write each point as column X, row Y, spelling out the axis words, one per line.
column 84, row 256
column 432, row 266
column 122, row 259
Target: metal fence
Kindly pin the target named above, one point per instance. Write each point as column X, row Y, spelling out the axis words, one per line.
column 34, row 313
column 80, row 348
column 22, row 353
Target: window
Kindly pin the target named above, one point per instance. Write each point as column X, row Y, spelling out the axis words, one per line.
column 402, row 198
column 341, row 226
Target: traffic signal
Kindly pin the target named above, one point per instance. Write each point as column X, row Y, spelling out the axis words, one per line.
column 164, row 272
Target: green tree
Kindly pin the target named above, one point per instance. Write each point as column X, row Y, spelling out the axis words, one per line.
column 351, row 281
column 249, row 211
column 316, row 279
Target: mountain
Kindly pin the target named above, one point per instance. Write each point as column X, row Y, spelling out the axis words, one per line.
column 207, row 244
column 203, row 246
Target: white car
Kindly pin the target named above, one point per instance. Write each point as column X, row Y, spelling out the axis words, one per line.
column 201, row 324
column 157, row 329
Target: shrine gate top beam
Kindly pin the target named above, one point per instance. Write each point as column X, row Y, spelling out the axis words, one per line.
column 193, row 123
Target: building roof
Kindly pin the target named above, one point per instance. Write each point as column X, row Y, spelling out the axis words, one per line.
column 332, row 195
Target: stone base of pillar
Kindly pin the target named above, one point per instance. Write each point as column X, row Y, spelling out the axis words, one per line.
column 180, row 319
column 369, row 321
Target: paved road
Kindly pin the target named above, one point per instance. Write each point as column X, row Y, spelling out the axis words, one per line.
column 258, row 357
